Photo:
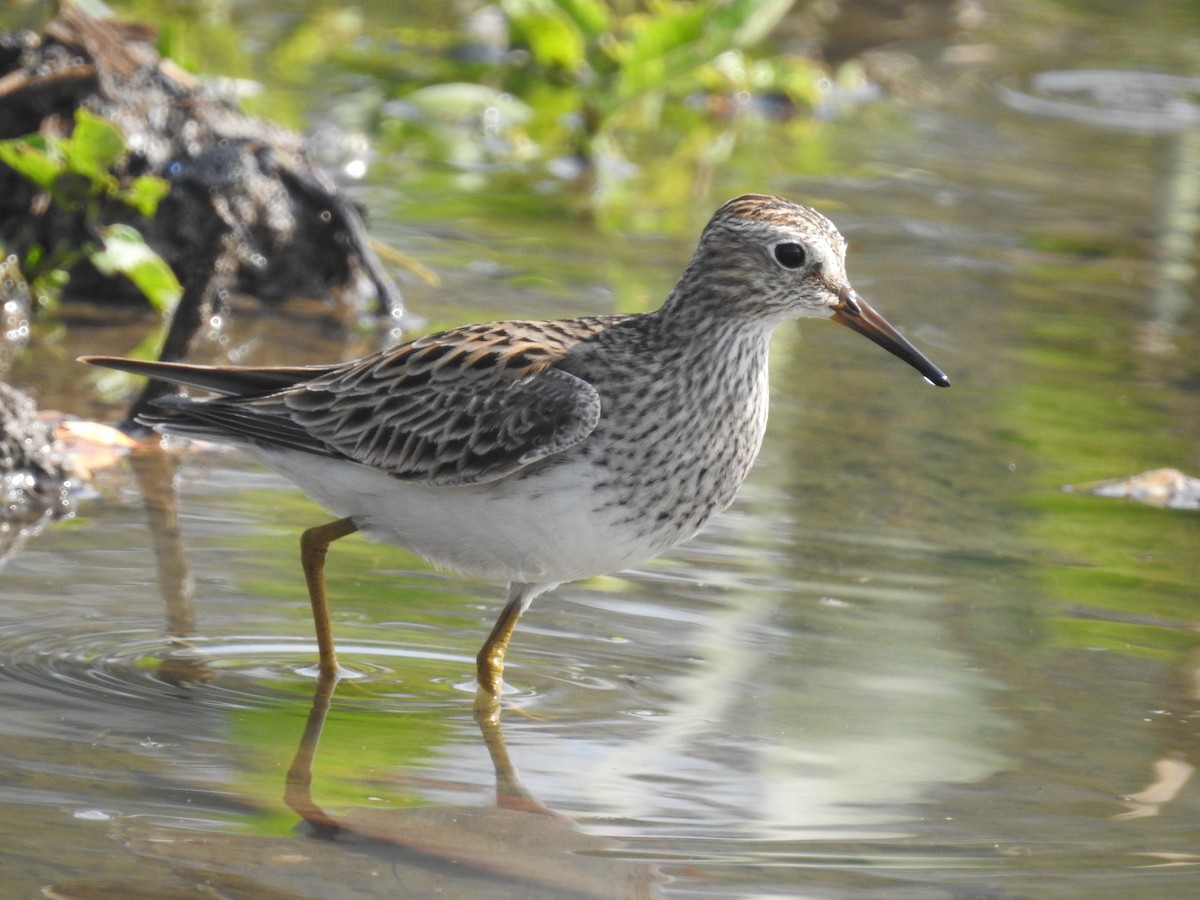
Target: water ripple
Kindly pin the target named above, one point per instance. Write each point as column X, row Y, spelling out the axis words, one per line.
column 134, row 665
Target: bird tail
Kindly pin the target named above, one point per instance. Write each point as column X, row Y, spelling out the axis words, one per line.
column 228, row 381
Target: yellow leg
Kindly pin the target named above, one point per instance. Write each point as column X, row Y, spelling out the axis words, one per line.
column 489, row 664
column 314, row 544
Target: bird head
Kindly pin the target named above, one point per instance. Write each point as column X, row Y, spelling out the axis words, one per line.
column 765, row 260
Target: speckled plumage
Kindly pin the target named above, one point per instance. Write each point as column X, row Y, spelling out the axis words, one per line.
column 541, row 452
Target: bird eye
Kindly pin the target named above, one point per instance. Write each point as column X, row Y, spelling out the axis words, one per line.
column 791, row 256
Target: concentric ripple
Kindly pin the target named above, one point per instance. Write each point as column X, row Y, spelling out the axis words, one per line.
column 134, row 665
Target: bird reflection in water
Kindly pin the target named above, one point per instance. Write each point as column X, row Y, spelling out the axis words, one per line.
column 518, row 840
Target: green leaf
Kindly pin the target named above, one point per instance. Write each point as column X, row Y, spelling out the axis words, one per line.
column 665, row 46
column 145, row 193
column 31, row 161
column 75, row 167
column 125, row 253
column 553, row 38
column 33, row 256
column 96, row 144
column 673, row 40
column 591, row 17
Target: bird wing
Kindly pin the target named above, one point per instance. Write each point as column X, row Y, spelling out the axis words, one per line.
column 466, row 406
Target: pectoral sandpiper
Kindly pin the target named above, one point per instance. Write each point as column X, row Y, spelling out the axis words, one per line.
column 543, row 452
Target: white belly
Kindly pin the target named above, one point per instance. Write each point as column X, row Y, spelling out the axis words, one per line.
column 542, row 529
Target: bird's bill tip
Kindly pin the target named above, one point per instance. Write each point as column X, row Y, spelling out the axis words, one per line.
column 857, row 315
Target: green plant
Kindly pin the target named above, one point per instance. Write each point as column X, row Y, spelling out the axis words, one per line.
column 618, row 57
column 620, row 60
column 78, row 173
column 629, row 101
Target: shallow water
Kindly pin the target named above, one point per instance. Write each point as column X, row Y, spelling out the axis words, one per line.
column 904, row 664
